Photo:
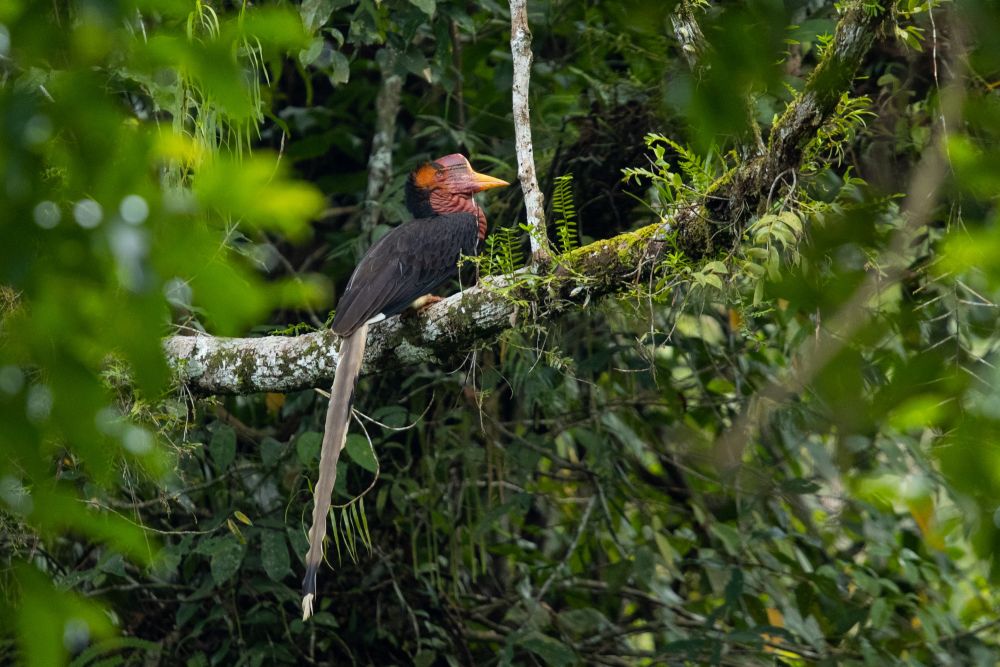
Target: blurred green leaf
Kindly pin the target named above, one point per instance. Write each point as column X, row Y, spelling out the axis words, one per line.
column 550, row 650
column 426, row 6
column 307, row 447
column 257, row 192
column 52, row 623
column 270, row 451
column 315, row 13
column 340, row 68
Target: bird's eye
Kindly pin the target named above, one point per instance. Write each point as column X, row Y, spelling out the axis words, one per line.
column 439, row 175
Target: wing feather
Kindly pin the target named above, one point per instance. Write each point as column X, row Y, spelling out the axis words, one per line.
column 407, row 263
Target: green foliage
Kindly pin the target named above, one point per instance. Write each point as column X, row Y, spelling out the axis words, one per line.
column 769, row 236
column 97, row 244
column 563, row 497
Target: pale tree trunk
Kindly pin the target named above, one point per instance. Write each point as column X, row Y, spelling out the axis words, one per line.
column 534, row 204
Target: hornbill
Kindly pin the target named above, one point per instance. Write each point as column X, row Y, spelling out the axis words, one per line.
column 398, row 272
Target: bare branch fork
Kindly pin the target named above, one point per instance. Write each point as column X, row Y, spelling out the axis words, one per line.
column 478, row 315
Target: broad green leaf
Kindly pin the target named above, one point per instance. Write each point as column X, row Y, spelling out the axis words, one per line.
column 270, row 451
column 340, row 68
column 307, row 447
column 309, row 55
column 274, row 554
column 257, row 192
column 361, row 452
column 550, row 650
column 223, row 447
column 716, row 266
column 315, row 13
column 52, row 622
column 729, row 536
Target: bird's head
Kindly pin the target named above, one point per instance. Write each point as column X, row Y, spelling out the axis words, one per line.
column 446, row 185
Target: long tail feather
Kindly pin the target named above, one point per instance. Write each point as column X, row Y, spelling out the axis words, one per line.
column 338, row 417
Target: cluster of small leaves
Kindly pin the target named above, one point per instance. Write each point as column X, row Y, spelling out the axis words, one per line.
column 771, row 237
column 912, row 34
column 837, row 133
column 668, row 186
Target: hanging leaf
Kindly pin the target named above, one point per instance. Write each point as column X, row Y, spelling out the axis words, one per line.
column 225, row 556
column 340, row 68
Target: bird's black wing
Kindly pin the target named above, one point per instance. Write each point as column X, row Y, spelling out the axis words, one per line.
column 407, row 263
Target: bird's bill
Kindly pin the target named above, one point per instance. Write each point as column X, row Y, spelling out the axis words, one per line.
column 483, row 182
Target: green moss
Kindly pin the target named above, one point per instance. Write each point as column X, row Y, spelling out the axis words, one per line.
column 297, row 329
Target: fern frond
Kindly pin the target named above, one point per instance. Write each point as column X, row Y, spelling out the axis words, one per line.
column 503, row 252
column 692, row 165
column 565, row 213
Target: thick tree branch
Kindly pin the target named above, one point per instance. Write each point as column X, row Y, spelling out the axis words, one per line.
column 444, row 333
column 534, row 204
column 813, row 355
column 450, row 328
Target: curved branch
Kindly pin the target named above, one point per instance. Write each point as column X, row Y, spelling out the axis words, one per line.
column 441, row 334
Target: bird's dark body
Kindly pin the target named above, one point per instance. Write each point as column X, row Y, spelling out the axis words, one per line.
column 405, row 264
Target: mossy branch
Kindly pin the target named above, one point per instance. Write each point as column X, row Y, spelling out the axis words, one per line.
column 741, row 191
column 478, row 315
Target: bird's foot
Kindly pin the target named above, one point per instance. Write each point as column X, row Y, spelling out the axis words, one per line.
column 420, row 304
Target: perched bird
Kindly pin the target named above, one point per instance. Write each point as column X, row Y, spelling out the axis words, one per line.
column 398, row 272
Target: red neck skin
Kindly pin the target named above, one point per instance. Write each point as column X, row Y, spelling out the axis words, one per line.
column 443, row 202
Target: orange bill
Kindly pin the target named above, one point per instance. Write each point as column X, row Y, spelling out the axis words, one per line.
column 484, row 182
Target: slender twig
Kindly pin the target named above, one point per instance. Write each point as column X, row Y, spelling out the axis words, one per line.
column 456, row 61
column 534, row 203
